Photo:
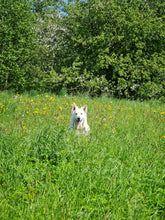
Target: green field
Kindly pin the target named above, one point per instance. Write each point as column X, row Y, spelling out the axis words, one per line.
column 46, row 172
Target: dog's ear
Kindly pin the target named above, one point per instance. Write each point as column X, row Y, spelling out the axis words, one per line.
column 74, row 107
column 85, row 108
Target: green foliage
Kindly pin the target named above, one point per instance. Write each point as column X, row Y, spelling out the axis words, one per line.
column 123, row 41
column 16, row 43
column 91, row 46
column 46, row 172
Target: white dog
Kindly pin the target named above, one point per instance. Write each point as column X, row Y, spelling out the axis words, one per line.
column 79, row 119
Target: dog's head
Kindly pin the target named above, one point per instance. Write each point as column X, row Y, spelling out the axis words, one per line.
column 79, row 114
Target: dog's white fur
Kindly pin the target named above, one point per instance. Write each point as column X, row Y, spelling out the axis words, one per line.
column 79, row 119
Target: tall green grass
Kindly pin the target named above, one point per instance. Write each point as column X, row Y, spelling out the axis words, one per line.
column 46, row 172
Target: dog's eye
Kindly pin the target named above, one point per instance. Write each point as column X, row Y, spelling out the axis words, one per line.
column 76, row 113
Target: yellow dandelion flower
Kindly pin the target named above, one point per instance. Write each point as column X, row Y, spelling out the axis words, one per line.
column 36, row 112
column 24, row 127
column 113, row 130
column 110, row 117
column 68, row 139
column 164, row 136
column 162, row 114
column 105, row 125
column 135, row 136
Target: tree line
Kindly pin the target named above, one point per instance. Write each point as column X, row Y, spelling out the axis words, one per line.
column 95, row 47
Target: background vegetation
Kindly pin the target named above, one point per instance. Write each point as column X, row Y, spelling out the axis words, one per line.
column 116, row 172
column 90, row 46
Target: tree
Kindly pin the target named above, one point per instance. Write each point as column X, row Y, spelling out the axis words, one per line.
column 121, row 40
column 16, row 43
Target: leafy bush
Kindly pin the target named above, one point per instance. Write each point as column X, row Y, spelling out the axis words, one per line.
column 119, row 41
column 95, row 47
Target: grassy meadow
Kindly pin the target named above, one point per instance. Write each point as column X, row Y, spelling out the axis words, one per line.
column 46, row 172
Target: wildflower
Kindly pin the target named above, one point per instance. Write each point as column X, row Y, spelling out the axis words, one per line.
column 135, row 136
column 36, row 112
column 110, row 117
column 154, row 111
column 114, row 130
column 68, row 139
column 162, row 113
column 164, row 136
column 24, row 127
column 60, row 107
column 105, row 125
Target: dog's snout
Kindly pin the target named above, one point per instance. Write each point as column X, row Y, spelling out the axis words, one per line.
column 78, row 119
